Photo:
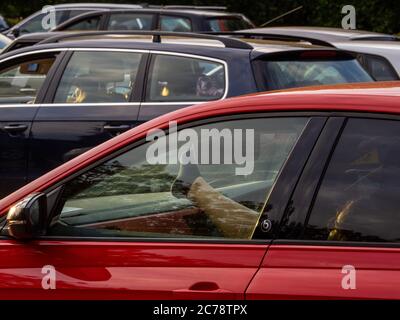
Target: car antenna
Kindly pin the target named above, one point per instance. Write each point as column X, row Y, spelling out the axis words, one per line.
column 281, row 16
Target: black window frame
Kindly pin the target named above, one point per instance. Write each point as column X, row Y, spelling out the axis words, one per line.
column 302, row 200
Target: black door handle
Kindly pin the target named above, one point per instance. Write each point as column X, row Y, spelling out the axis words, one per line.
column 14, row 128
column 119, row 128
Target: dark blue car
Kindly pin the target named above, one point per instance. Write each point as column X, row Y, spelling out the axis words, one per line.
column 60, row 99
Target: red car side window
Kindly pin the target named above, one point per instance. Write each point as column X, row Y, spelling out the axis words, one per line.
column 358, row 197
column 133, row 196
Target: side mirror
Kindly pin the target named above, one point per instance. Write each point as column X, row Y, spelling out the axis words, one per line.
column 26, row 219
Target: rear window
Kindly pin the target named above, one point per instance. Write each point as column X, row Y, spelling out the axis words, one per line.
column 228, row 24
column 291, row 73
column 378, row 67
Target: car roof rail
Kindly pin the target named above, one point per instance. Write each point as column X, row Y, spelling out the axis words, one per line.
column 229, row 42
column 183, row 7
column 272, row 36
column 368, row 37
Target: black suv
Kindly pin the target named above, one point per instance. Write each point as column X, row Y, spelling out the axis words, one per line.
column 60, row 99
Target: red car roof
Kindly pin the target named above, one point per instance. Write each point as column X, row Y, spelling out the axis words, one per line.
column 383, row 97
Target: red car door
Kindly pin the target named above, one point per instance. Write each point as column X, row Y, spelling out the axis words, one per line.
column 341, row 234
column 126, row 270
column 132, row 228
column 300, row 271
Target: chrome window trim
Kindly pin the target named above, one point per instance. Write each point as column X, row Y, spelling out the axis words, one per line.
column 225, row 65
column 90, row 104
column 21, row 105
column 32, row 52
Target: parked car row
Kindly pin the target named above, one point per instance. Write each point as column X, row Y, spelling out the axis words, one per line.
column 157, row 19
column 101, row 16
column 64, row 98
column 322, row 198
column 377, row 52
column 78, row 192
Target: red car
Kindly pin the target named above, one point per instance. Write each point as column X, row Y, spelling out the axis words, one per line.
column 303, row 205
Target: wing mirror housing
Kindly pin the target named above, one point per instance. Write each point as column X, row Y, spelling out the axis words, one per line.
column 26, row 219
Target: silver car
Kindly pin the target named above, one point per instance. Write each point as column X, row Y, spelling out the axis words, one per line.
column 379, row 53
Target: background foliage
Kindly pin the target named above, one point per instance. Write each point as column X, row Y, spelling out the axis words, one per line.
column 376, row 15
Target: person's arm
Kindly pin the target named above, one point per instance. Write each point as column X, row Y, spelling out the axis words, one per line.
column 231, row 218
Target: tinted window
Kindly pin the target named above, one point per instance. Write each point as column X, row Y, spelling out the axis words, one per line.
column 92, row 23
column 131, row 195
column 174, row 78
column 36, row 23
column 379, row 68
column 228, row 24
column 21, row 83
column 131, row 21
column 358, row 198
column 282, row 74
column 175, row 24
column 76, row 12
column 98, row 77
